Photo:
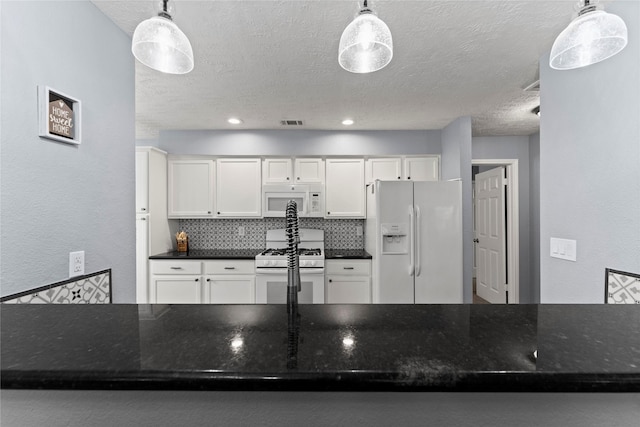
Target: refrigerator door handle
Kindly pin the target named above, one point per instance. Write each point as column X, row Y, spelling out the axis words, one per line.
column 412, row 240
column 418, row 240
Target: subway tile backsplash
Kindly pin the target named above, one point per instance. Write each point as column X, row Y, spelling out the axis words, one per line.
column 223, row 233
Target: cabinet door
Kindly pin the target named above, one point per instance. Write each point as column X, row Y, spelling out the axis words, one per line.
column 383, row 169
column 142, row 182
column 422, row 168
column 238, row 188
column 309, row 171
column 231, row 289
column 190, row 192
column 345, row 190
column 178, row 289
column 277, row 171
column 348, row 290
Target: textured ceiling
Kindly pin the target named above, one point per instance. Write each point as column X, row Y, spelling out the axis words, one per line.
column 266, row 61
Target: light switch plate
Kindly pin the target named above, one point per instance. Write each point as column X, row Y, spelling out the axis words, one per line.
column 563, row 249
column 76, row 263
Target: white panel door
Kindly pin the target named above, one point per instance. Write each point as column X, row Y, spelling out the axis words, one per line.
column 383, row 169
column 422, row 168
column 142, row 182
column 230, row 289
column 142, row 259
column 438, row 247
column 277, row 171
column 309, row 171
column 239, row 188
column 490, row 235
column 348, row 290
column 345, row 189
column 190, row 191
column 178, row 289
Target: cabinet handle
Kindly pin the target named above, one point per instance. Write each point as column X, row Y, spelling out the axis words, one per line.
column 398, row 177
column 229, row 268
column 208, row 280
column 287, row 178
column 330, row 280
column 218, row 213
column 298, row 178
column 197, row 280
column 348, row 268
column 408, row 177
column 328, row 213
column 143, row 219
column 176, row 268
column 143, row 209
column 209, row 212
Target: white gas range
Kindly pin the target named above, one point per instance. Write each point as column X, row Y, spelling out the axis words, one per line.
column 271, row 268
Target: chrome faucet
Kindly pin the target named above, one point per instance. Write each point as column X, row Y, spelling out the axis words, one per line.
column 293, row 284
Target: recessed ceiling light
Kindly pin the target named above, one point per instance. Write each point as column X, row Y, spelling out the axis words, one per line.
column 347, row 122
column 234, row 121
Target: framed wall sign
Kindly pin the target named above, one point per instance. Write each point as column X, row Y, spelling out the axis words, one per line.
column 59, row 116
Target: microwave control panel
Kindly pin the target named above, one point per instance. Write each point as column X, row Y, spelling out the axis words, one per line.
column 314, row 205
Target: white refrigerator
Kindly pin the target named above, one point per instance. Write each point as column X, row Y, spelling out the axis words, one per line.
column 413, row 231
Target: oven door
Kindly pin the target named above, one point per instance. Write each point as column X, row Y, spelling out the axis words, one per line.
column 271, row 286
column 275, row 203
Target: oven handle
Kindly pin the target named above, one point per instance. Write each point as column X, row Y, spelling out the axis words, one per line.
column 283, row 271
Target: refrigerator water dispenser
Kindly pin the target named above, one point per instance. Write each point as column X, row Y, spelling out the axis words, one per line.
column 395, row 238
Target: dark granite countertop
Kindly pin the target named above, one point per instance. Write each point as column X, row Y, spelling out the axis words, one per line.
column 346, row 254
column 324, row 347
column 210, row 254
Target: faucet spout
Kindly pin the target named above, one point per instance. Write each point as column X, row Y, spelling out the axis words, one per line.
column 293, row 258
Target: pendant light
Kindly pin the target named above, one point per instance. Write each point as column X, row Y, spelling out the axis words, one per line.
column 593, row 36
column 159, row 44
column 365, row 45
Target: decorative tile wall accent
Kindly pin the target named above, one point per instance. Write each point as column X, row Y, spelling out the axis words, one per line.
column 622, row 287
column 223, row 233
column 92, row 288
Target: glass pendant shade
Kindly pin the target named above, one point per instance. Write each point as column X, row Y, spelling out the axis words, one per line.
column 159, row 44
column 366, row 45
column 589, row 38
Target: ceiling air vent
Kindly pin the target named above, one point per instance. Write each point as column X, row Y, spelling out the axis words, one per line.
column 533, row 87
column 291, row 122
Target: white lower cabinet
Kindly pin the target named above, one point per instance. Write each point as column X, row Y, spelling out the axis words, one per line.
column 348, row 281
column 229, row 282
column 175, row 282
column 179, row 289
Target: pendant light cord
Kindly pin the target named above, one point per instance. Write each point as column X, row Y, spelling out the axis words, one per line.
column 164, row 12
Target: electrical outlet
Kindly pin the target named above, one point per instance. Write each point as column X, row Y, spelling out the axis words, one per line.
column 241, row 231
column 76, row 263
column 358, row 230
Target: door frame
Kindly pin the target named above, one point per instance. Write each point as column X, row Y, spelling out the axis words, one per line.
column 513, row 223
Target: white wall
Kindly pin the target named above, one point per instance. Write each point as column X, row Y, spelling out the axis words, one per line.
column 56, row 197
column 534, row 216
column 299, row 142
column 590, row 168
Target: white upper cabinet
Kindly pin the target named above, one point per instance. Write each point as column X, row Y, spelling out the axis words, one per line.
column 142, row 182
column 422, row 168
column 277, row 171
column 191, row 188
column 345, row 188
column 383, row 169
column 309, row 171
column 238, row 188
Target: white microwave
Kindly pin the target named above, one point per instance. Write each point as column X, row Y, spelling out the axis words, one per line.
column 308, row 197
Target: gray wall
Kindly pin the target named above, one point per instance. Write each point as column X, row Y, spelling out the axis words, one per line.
column 299, row 142
column 456, row 163
column 534, row 216
column 589, row 169
column 514, row 147
column 56, row 197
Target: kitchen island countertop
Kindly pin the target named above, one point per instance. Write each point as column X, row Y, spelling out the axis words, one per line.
column 324, row 347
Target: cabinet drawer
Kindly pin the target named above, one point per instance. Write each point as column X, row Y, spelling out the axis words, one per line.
column 229, row 267
column 176, row 267
column 348, row 267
